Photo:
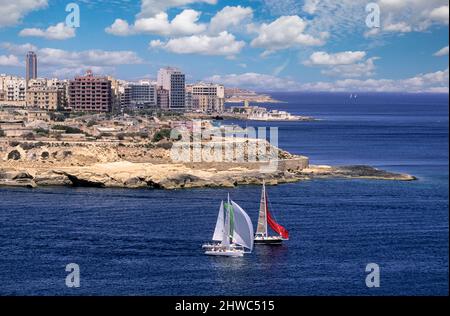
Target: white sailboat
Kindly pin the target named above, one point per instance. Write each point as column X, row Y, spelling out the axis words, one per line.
column 265, row 220
column 233, row 233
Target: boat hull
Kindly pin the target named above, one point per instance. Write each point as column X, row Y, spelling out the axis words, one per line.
column 224, row 253
column 268, row 240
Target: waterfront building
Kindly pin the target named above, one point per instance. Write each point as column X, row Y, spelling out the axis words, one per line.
column 208, row 98
column 31, row 66
column 90, row 93
column 174, row 81
column 140, row 95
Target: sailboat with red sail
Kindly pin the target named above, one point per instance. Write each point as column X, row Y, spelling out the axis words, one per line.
column 265, row 220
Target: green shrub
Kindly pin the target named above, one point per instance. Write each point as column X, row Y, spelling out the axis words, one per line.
column 161, row 134
column 68, row 129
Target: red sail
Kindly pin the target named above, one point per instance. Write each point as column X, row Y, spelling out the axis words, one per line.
column 275, row 226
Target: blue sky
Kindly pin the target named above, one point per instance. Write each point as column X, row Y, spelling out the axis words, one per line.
column 313, row 45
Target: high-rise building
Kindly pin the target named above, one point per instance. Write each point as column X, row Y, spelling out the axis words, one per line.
column 173, row 80
column 140, row 95
column 31, row 65
column 89, row 93
column 208, row 97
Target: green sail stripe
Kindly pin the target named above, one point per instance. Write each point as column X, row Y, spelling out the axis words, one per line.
column 231, row 210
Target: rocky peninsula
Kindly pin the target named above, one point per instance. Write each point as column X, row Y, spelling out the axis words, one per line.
column 139, row 165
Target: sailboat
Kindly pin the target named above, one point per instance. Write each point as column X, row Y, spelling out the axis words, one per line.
column 265, row 219
column 233, row 234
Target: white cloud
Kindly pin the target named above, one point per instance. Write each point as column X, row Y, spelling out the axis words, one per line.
column 119, row 28
column 18, row 49
column 401, row 27
column 150, row 8
column 184, row 23
column 412, row 15
column 349, row 64
column 12, row 11
column 229, row 16
column 442, row 52
column 256, row 81
column 224, row 44
column 310, row 6
column 9, row 60
column 56, row 32
column 347, row 17
column 285, row 32
column 58, row 61
column 364, row 68
column 343, row 58
column 430, row 82
column 440, row 14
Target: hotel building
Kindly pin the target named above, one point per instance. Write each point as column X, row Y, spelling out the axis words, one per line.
column 173, row 80
column 208, row 98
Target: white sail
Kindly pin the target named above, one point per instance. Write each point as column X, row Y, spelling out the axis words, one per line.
column 262, row 218
column 243, row 234
column 218, row 232
column 226, row 231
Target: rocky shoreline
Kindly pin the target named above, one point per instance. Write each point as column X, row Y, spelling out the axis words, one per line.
column 109, row 165
column 173, row 176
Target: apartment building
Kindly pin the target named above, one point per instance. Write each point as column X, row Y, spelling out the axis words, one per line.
column 90, row 93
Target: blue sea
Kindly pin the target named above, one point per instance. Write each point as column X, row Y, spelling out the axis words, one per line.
column 148, row 242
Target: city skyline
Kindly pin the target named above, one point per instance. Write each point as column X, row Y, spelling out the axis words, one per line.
column 261, row 45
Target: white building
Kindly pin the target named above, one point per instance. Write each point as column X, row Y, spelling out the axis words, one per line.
column 13, row 90
column 207, row 97
column 173, row 80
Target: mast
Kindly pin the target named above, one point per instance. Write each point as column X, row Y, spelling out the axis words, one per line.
column 265, row 206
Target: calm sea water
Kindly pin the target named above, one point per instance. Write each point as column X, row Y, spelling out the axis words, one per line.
column 148, row 242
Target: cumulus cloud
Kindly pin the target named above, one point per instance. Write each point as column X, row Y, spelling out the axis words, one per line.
column 59, row 31
column 349, row 64
column 442, row 52
column 12, row 11
column 224, row 44
column 430, row 82
column 229, row 17
column 285, row 32
column 184, row 23
column 9, row 60
column 58, row 61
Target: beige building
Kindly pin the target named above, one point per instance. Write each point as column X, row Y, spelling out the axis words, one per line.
column 207, row 97
column 44, row 98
